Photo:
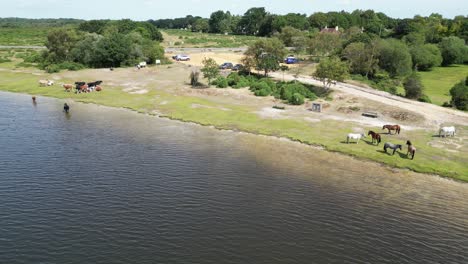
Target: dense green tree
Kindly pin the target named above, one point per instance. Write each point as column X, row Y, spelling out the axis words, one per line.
column 113, row 51
column 324, row 44
column 330, row 71
column 425, row 56
column 252, row 20
column 59, row 44
column 459, row 94
column 453, row 50
column 219, row 22
column 265, row 54
column 318, row 20
column 201, row 25
column 93, row 26
column 292, row 37
column 84, row 51
column 210, row 69
column 361, row 59
column 413, row 86
column 394, row 57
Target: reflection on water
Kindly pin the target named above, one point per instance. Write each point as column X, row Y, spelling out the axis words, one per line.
column 110, row 186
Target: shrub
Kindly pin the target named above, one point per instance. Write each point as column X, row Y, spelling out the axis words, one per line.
column 459, row 94
column 424, row 98
column 296, row 99
column 233, row 78
column 413, row 86
column 52, row 68
column 221, row 82
column 289, row 89
column 260, row 89
column 243, row 82
column 71, row 66
column 2, row 60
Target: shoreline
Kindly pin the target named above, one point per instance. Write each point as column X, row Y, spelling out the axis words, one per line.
column 394, row 169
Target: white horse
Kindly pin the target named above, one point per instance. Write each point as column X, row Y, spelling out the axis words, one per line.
column 447, row 131
column 357, row 137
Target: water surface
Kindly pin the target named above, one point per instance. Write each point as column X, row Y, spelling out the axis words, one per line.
column 104, row 185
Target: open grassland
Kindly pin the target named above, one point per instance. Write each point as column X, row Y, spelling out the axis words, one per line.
column 184, row 38
column 23, row 36
column 444, row 156
column 438, row 82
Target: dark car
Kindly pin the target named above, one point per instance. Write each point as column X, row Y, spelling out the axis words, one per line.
column 237, row 67
column 226, row 65
column 291, row 60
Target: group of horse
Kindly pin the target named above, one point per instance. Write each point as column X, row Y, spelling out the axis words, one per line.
column 377, row 138
column 83, row 87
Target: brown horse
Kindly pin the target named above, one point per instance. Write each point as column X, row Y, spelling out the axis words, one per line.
column 375, row 136
column 392, row 127
column 411, row 149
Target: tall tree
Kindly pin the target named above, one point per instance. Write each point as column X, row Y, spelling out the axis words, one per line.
column 330, row 71
column 210, row 69
column 453, row 50
column 413, row 86
column 394, row 57
column 59, row 43
column 266, row 54
column 425, row 56
column 252, row 20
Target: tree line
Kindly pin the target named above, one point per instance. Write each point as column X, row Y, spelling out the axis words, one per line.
column 257, row 21
column 102, row 43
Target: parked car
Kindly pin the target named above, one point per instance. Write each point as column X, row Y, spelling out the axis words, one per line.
column 291, row 60
column 226, row 65
column 181, row 57
column 237, row 67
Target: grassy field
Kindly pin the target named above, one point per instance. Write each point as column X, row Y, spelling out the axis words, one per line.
column 183, row 38
column 23, row 36
column 439, row 81
column 330, row 134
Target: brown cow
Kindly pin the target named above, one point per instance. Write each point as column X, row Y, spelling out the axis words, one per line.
column 68, row 87
column 98, row 88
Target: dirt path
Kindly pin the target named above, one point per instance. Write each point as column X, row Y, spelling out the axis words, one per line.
column 435, row 115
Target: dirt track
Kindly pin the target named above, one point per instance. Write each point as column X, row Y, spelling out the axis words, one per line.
column 434, row 115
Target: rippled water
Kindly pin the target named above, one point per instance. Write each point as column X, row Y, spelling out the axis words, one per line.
column 110, row 186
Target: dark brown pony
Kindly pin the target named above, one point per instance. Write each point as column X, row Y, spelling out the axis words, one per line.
column 411, row 149
column 375, row 136
column 392, row 127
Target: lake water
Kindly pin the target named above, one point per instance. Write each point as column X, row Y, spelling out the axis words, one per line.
column 105, row 185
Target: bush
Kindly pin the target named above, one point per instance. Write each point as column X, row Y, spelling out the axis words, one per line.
column 413, row 86
column 260, row 89
column 424, row 98
column 296, row 99
column 459, row 94
column 243, row 82
column 221, row 82
column 52, row 68
column 71, row 66
column 287, row 91
column 233, row 78
column 2, row 60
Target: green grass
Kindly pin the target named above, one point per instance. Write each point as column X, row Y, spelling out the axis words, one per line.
column 440, row 80
column 205, row 40
column 23, row 36
column 329, row 134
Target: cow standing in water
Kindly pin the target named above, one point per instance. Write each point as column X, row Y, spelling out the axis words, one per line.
column 66, row 108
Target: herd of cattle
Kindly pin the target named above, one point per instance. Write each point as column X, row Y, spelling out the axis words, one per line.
column 80, row 87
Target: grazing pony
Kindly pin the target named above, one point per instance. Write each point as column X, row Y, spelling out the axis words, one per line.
column 391, row 146
column 66, row 108
column 392, row 127
column 411, row 149
column 357, row 137
column 375, row 136
column 447, row 131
